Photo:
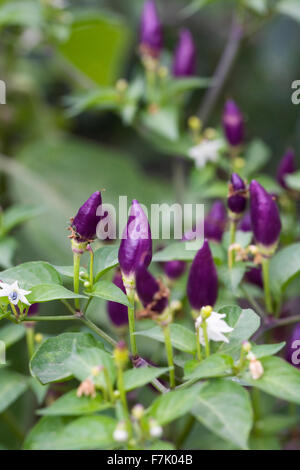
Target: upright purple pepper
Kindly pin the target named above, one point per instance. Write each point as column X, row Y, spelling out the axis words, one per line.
column 136, row 243
column 215, row 221
column 184, row 64
column 286, row 167
column 265, row 218
column 151, row 38
column 292, row 351
column 174, row 269
column 118, row 313
column 149, row 290
column 202, row 286
column 85, row 222
column 233, row 123
column 237, row 197
column 245, row 223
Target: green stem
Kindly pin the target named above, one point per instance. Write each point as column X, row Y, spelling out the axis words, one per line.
column 76, row 263
column 169, row 351
column 14, row 310
column 30, row 341
column 232, row 241
column 52, row 318
column 98, row 331
column 266, row 280
column 131, row 322
column 253, row 302
column 109, row 385
column 69, row 307
column 207, row 348
column 185, row 432
column 199, row 353
column 123, row 397
column 91, row 266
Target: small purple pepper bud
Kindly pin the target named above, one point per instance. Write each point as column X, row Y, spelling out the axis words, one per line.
column 245, row 223
column 151, row 39
column 136, row 243
column 237, row 195
column 118, row 313
column 286, row 167
column 174, row 269
column 150, row 291
column 202, row 286
column 184, row 64
column 254, row 276
column 215, row 221
column 86, row 220
column 292, row 352
column 233, row 123
column 33, row 310
column 265, row 218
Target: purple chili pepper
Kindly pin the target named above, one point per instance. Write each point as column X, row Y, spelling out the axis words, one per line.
column 202, row 286
column 184, row 64
column 86, row 220
column 254, row 276
column 174, row 269
column 151, row 38
column 286, row 167
column 292, row 351
column 118, row 313
column 147, row 288
column 215, row 221
column 245, row 223
column 233, row 123
column 136, row 243
column 237, row 195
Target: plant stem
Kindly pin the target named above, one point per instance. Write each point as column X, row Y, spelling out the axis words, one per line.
column 109, row 385
column 231, row 242
column 98, row 331
column 185, row 432
column 14, row 310
column 52, row 318
column 253, row 302
column 207, row 348
column 30, row 341
column 76, row 263
column 266, row 280
column 123, row 397
column 198, row 345
column 131, row 322
column 91, row 266
column 169, row 352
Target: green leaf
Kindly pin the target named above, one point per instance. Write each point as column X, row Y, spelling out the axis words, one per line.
column 7, row 250
column 181, row 85
column 224, row 407
column 275, row 423
column 84, row 360
column 182, row 338
column 216, row 365
column 11, row 334
column 103, row 98
column 279, row 379
column 263, row 350
column 258, row 6
column 68, row 271
column 100, row 35
column 12, row 385
column 13, row 13
column 71, row 405
column 244, row 324
column 135, row 378
column 55, row 433
column 164, row 121
column 50, row 361
column 19, row 214
column 172, row 405
column 47, row 292
column 293, row 181
column 38, row 389
column 105, row 258
column 161, row 445
column 109, row 291
column 257, row 156
column 232, row 278
column 284, row 267
column 31, row 274
column 290, row 8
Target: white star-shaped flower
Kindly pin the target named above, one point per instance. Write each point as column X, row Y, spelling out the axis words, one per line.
column 215, row 328
column 14, row 293
column 207, row 150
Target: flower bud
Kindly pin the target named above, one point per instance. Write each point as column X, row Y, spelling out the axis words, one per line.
column 85, row 222
column 150, row 291
column 286, row 167
column 184, row 64
column 215, row 221
column 246, row 346
column 118, row 313
column 150, row 30
column 120, row 433
column 202, row 287
column 265, row 218
column 255, row 367
column 233, row 123
column 292, row 351
column 138, row 411
column 121, row 354
column 237, row 195
column 155, row 429
column 136, row 243
column 174, row 269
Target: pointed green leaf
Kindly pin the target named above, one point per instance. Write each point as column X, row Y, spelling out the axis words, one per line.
column 181, row 337
column 108, row 291
column 47, row 292
column 72, row 405
column 12, row 385
column 135, row 378
column 31, row 274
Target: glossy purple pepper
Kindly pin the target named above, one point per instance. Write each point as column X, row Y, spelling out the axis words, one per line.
column 118, row 313
column 202, row 286
column 237, row 195
column 286, row 167
column 136, row 243
column 245, row 223
column 174, row 269
column 86, row 220
column 151, row 38
column 265, row 217
column 147, row 287
column 184, row 64
column 215, row 221
column 233, row 123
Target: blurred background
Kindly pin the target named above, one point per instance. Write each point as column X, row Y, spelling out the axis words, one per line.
column 51, row 159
